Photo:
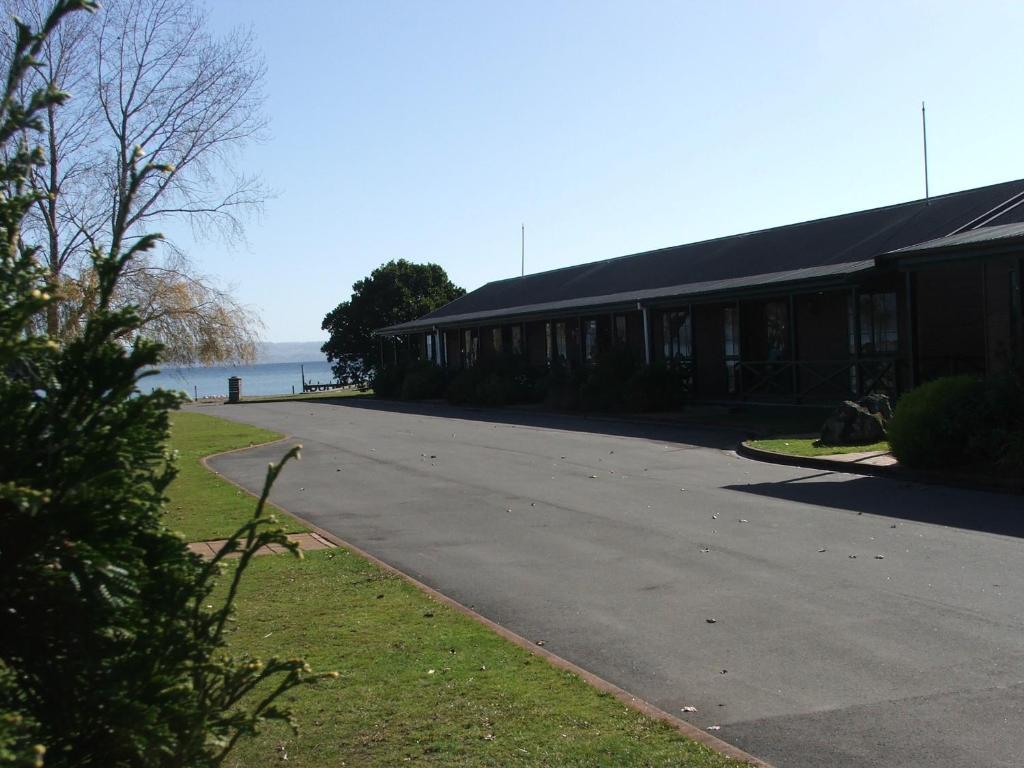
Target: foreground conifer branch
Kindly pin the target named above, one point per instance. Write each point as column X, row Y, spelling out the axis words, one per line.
column 112, row 642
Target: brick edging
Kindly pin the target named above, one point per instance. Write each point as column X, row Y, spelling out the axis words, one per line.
column 687, row 729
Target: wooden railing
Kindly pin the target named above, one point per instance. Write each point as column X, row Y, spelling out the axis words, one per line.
column 817, row 379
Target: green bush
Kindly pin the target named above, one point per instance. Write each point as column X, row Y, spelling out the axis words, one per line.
column 605, row 385
column 495, row 390
column 504, row 381
column 113, row 649
column 935, row 425
column 656, row 387
column 386, row 381
column 1003, row 442
column 561, row 388
column 462, row 387
column 422, row 381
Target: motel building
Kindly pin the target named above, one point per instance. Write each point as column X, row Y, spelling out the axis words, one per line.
column 824, row 310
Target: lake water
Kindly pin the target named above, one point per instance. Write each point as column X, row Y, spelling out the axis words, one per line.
column 261, row 379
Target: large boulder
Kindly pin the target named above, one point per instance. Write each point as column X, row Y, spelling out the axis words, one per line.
column 879, row 404
column 853, row 424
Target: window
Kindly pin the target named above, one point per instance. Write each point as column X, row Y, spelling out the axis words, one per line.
column 620, row 329
column 732, row 332
column 776, row 318
column 470, row 346
column 589, row 340
column 732, row 347
column 496, row 339
column 517, row 340
column 549, row 349
column 560, row 342
column 430, row 347
column 879, row 326
column 678, row 337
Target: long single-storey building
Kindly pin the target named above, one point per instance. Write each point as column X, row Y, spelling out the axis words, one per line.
column 877, row 300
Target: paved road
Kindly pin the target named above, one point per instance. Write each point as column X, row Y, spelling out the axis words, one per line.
column 859, row 621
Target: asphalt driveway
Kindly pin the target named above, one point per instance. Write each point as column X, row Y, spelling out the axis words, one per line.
column 857, row 621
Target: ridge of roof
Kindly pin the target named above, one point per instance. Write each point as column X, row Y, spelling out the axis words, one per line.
column 750, row 233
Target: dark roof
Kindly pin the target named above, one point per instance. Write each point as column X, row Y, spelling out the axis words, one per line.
column 832, row 246
column 998, row 235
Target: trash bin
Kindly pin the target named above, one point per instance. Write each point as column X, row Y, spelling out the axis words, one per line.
column 234, row 389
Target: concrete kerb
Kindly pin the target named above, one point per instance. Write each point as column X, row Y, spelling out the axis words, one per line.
column 687, row 729
column 895, row 472
column 814, row 462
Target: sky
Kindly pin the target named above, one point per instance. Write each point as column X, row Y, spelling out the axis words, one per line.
column 432, row 130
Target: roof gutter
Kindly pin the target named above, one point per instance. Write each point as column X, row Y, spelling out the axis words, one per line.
column 804, row 285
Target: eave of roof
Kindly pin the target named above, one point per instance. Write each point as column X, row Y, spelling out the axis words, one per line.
column 707, row 289
column 998, row 236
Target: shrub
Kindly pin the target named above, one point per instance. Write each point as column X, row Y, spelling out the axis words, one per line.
column 113, row 650
column 506, row 380
column 604, row 388
column 422, row 381
column 934, row 425
column 1003, row 442
column 561, row 388
column 656, row 387
column 386, row 381
column 463, row 386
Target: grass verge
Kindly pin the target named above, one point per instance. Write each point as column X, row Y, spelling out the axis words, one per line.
column 203, row 506
column 811, row 446
column 420, row 683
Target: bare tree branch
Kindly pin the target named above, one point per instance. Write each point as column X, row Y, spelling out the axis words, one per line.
column 149, row 74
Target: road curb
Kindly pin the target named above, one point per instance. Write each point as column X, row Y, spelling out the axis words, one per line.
column 687, row 729
column 947, row 479
column 812, row 462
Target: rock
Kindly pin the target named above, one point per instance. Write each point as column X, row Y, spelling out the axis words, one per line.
column 878, row 404
column 852, row 424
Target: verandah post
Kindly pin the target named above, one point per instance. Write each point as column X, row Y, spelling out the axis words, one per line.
column 911, row 331
column 855, row 300
column 793, row 355
column 739, row 349
column 647, row 332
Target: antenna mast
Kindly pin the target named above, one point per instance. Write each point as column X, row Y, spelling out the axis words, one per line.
column 522, row 252
column 924, row 136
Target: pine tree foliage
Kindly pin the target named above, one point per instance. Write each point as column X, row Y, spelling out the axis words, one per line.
column 112, row 640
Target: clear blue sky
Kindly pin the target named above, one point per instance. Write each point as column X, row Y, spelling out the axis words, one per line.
column 431, row 130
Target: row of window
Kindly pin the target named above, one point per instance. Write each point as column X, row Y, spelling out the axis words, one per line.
column 557, row 334
column 872, row 317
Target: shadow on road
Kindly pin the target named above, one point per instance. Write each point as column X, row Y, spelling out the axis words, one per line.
column 970, row 510
column 704, row 437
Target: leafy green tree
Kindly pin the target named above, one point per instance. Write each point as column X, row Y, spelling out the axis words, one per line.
column 394, row 293
column 112, row 641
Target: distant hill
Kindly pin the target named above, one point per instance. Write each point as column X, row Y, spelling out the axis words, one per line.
column 290, row 352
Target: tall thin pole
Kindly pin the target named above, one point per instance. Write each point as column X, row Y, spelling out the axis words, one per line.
column 924, row 136
column 522, row 252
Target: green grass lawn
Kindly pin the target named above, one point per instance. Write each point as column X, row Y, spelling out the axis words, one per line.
column 811, row 446
column 202, row 506
column 419, row 683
